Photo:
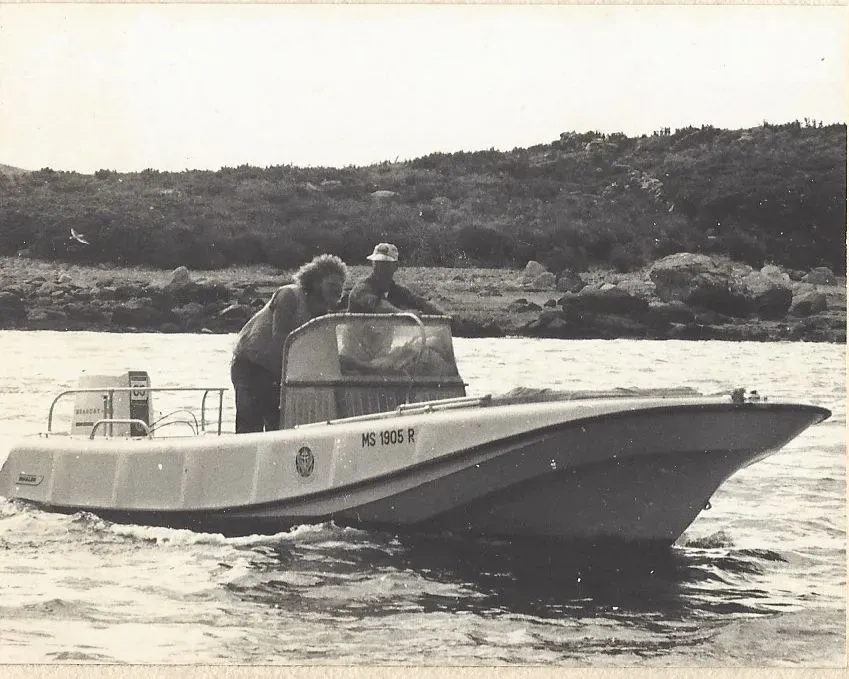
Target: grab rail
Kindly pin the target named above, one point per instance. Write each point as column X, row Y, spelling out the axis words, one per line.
column 109, row 397
column 114, row 420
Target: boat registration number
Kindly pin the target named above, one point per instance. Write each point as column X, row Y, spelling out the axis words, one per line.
column 388, row 437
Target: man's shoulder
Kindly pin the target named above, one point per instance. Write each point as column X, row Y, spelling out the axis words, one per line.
column 364, row 286
column 286, row 294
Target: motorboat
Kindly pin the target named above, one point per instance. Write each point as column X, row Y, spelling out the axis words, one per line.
column 377, row 431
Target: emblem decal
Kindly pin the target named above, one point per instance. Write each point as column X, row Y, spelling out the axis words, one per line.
column 29, row 479
column 304, row 462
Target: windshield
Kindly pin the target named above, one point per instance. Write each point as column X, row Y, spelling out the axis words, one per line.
column 340, row 346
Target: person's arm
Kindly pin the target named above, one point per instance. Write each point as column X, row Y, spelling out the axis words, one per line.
column 404, row 297
column 364, row 300
column 284, row 310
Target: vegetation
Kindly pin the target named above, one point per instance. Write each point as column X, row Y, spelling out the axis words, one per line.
column 773, row 193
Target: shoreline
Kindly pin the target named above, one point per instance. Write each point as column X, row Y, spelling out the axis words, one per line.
column 483, row 302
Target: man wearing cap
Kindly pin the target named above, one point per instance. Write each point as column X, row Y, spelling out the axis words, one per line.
column 379, row 293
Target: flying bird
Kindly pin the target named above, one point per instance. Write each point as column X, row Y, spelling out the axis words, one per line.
column 79, row 237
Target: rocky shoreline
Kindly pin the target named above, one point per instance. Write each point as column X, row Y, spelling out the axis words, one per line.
column 683, row 296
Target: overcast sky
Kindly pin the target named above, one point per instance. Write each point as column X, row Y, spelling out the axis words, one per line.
column 178, row 87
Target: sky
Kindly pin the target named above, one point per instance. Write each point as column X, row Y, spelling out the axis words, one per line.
column 174, row 87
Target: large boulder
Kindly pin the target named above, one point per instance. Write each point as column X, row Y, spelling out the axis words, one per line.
column 776, row 273
column 611, row 300
column 569, row 281
column 808, row 303
column 637, row 287
column 179, row 279
column 683, row 276
column 767, row 296
column 820, row 275
column 699, row 280
column 533, row 270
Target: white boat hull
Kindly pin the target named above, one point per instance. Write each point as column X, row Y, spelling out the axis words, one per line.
column 625, row 469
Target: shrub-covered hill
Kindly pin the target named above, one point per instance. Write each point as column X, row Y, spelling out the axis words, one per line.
column 773, row 193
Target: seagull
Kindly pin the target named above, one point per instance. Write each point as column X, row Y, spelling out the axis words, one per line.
column 80, row 238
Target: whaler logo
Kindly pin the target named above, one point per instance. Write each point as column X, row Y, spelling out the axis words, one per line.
column 29, row 479
column 304, row 462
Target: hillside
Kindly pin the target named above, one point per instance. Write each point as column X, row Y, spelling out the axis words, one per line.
column 775, row 193
column 11, row 171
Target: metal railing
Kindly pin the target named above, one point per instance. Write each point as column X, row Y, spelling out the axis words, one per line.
column 109, row 403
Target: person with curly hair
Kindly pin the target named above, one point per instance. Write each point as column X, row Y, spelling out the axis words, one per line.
column 256, row 366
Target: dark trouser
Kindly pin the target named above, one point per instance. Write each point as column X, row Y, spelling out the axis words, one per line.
column 257, row 396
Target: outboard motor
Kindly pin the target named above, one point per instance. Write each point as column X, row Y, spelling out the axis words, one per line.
column 133, row 402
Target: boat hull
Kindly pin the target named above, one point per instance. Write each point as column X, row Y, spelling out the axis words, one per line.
column 591, row 472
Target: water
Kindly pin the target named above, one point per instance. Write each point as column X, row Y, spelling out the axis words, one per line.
column 760, row 579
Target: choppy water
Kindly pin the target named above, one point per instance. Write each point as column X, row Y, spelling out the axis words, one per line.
column 757, row 580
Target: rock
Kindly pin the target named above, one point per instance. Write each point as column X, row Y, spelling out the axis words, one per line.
column 533, row 270
column 550, row 303
column 775, row 273
column 46, row 319
column 710, row 317
column 808, row 303
column 820, row 275
column 522, row 305
column 671, row 312
column 545, row 319
column 179, row 279
column 637, row 287
column 137, row 313
column 472, row 327
column 767, row 296
column 689, row 331
column 383, row 195
column 88, row 314
column 63, row 279
column 700, row 281
column 545, row 281
column 817, row 329
column 679, row 277
column 595, row 326
column 569, row 281
column 795, row 274
column 606, row 301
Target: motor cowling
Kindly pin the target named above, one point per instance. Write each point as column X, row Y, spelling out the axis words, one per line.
column 117, row 397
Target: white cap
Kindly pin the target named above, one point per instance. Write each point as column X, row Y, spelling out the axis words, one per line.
column 384, row 252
